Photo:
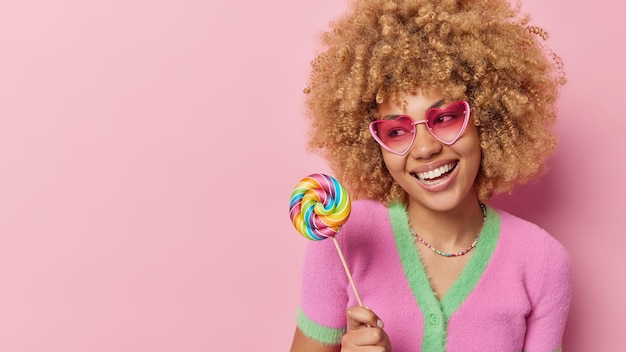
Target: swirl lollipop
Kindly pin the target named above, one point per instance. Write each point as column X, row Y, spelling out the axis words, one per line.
column 318, row 207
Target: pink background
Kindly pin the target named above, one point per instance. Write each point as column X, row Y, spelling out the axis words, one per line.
column 148, row 150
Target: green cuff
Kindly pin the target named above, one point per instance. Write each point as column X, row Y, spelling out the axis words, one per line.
column 322, row 334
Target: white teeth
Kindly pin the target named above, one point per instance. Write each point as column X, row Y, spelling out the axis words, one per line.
column 428, row 175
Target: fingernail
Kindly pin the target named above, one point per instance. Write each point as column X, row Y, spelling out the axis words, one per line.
column 380, row 324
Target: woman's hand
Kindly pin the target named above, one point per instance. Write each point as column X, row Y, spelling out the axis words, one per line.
column 365, row 332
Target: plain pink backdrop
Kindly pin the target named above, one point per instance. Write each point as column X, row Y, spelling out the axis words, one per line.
column 148, row 150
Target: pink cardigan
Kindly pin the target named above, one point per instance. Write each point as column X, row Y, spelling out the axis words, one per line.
column 513, row 295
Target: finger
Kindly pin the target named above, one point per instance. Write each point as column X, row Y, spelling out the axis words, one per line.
column 359, row 317
column 364, row 337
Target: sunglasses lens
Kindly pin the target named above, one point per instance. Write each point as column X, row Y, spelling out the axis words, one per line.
column 447, row 124
column 395, row 135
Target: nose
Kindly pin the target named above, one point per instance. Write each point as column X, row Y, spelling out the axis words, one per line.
column 425, row 145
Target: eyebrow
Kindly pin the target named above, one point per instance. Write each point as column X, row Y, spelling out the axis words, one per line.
column 395, row 116
column 437, row 104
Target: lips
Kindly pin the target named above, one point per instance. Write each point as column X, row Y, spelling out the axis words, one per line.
column 435, row 175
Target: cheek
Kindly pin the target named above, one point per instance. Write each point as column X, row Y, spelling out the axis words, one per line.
column 393, row 162
column 470, row 138
column 469, row 147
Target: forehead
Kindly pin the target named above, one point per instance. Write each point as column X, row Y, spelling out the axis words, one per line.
column 414, row 103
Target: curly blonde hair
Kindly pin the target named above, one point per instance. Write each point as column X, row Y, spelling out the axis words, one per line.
column 480, row 51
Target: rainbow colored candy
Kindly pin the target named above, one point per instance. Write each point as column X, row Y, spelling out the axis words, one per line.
column 318, row 207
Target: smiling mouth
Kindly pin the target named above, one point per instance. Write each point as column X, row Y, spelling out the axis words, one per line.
column 435, row 176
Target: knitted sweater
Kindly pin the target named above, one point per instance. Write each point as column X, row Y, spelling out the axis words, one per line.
column 513, row 295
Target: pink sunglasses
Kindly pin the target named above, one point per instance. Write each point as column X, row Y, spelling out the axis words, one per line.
column 446, row 125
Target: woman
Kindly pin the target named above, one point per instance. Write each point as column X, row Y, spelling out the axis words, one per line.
column 424, row 110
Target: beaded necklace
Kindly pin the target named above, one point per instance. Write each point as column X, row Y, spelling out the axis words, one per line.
column 444, row 254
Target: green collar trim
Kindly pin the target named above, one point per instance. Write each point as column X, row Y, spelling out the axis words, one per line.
column 438, row 312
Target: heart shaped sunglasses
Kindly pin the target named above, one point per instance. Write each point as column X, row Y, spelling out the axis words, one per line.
column 445, row 124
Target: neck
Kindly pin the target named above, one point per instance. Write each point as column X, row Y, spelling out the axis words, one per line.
column 448, row 228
